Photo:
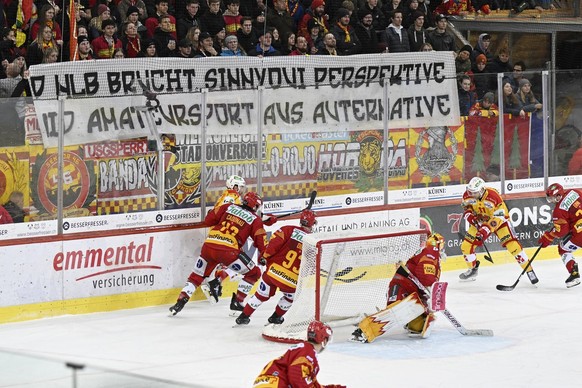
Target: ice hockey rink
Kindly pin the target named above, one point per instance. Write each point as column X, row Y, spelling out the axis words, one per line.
column 537, row 343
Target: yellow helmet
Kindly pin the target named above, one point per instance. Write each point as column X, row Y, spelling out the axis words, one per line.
column 436, row 240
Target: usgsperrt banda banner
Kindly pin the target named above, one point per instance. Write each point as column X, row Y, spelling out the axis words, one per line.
column 295, row 95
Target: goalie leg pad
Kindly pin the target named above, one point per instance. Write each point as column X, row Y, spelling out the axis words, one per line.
column 421, row 326
column 395, row 315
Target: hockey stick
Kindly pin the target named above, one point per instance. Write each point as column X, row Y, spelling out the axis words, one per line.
column 487, row 255
column 309, row 205
column 458, row 325
column 501, row 287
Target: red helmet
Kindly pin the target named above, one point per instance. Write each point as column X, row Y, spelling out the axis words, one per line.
column 308, row 218
column 252, row 200
column 554, row 193
column 319, row 332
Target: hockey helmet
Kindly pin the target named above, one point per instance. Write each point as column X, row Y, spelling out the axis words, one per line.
column 252, row 200
column 437, row 241
column 319, row 333
column 554, row 193
column 476, row 187
column 308, row 219
column 235, row 182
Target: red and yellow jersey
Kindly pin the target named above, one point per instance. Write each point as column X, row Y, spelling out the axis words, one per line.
column 297, row 368
column 425, row 266
column 490, row 209
column 567, row 215
column 228, row 196
column 231, row 226
column 283, row 255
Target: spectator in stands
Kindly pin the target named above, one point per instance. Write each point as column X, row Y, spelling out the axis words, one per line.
column 439, row 38
column 408, row 13
column 428, row 14
column 8, row 49
column 184, row 49
column 511, row 104
column 206, row 46
column 455, row 7
column 164, row 37
column 232, row 49
column 315, row 37
column 190, row 19
column 8, row 84
column 463, row 62
column 124, row 5
column 264, row 47
column 467, row 97
column 44, row 40
column 484, row 7
column 288, row 44
column 296, row 11
column 329, row 45
column 575, row 163
column 161, row 8
column 46, row 16
column 85, row 52
column 500, row 64
column 516, row 75
column 276, row 43
column 15, row 207
column 395, row 38
column 130, row 40
column 540, row 5
column 417, row 35
column 247, row 37
column 482, row 47
column 480, row 75
column 485, row 107
column 346, row 39
column 149, row 49
column 219, row 40
column 133, row 17
column 113, row 11
column 51, row 55
column 193, row 36
column 232, row 17
column 96, row 23
column 212, row 21
column 315, row 12
column 5, row 217
column 259, row 24
column 118, row 53
column 279, row 18
column 331, row 7
column 426, row 47
column 526, row 97
column 389, row 6
column 301, row 46
column 365, row 31
column 105, row 45
column 379, row 21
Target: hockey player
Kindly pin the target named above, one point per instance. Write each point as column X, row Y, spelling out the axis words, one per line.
column 567, row 219
column 407, row 304
column 231, row 226
column 487, row 213
column 298, row 367
column 283, row 259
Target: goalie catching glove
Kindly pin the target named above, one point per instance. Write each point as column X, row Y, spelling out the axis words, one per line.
column 546, row 240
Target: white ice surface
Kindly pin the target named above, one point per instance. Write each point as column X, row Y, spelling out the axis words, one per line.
column 537, row 342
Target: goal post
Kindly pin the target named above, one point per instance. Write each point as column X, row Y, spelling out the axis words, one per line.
column 343, row 277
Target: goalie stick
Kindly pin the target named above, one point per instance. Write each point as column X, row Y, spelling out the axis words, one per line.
column 501, row 287
column 458, row 325
column 309, row 205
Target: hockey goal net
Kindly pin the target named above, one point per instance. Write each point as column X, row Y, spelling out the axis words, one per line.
column 344, row 276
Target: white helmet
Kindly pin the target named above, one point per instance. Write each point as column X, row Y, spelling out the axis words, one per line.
column 476, row 187
column 235, row 180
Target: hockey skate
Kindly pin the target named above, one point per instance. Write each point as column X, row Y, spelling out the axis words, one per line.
column 242, row 319
column 531, row 275
column 215, row 288
column 235, row 305
column 470, row 274
column 175, row 309
column 275, row 319
column 359, row 336
column 574, row 278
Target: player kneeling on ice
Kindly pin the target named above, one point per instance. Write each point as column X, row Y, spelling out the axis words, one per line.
column 299, row 366
column 407, row 303
column 283, row 260
column 567, row 219
column 231, row 226
column 487, row 213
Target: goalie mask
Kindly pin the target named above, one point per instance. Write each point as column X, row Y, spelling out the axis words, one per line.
column 476, row 187
column 319, row 333
column 554, row 193
column 253, row 201
column 436, row 240
column 235, row 182
column 308, row 219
